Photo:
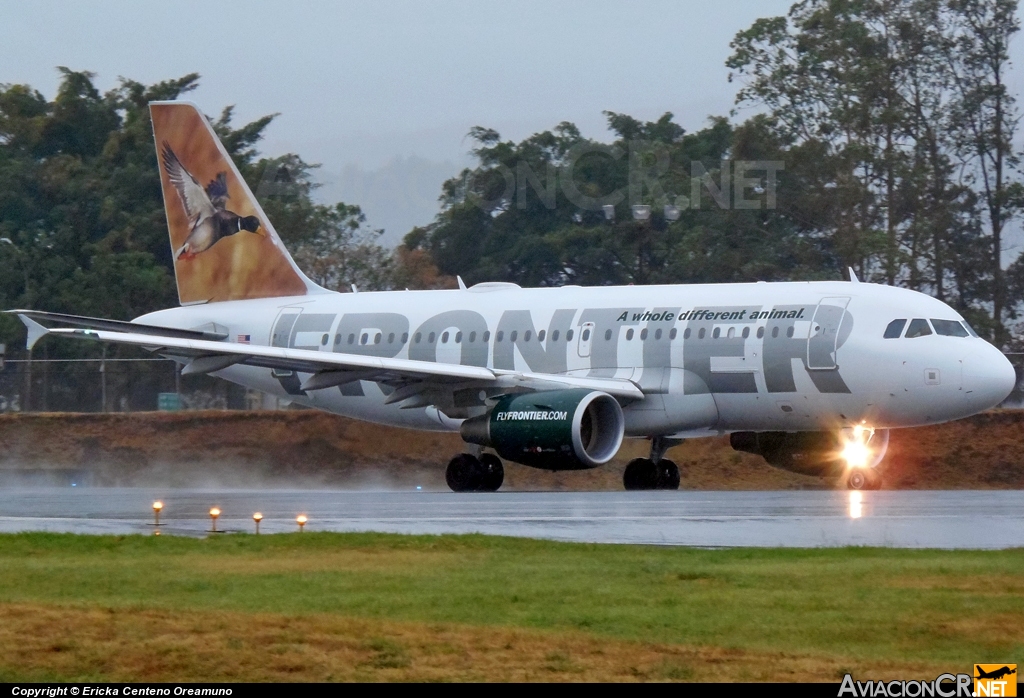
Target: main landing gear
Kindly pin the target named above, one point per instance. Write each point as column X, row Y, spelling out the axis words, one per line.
column 467, row 473
column 656, row 472
column 863, row 479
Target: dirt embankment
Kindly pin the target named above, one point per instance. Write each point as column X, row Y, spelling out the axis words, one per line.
column 310, row 449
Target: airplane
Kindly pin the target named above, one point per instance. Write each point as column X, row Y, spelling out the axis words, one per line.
column 809, row 375
column 995, row 674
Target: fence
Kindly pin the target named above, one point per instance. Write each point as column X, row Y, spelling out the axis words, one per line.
column 112, row 385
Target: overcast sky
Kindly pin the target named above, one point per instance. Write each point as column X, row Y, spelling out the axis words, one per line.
column 382, row 93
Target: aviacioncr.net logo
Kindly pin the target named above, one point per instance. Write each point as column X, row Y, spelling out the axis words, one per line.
column 943, row 686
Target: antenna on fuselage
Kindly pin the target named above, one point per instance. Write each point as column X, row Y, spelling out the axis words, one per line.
column 462, row 284
column 853, row 276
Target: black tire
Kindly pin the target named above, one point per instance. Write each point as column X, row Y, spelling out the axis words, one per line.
column 492, row 473
column 640, row 474
column 858, row 479
column 464, row 473
column 668, row 475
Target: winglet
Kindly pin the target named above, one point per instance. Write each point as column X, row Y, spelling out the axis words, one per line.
column 35, row 331
column 853, row 276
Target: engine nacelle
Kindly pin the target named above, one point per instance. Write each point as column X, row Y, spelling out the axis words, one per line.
column 555, row 430
column 819, row 453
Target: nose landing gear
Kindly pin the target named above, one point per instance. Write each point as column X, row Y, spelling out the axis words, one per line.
column 467, row 473
column 656, row 472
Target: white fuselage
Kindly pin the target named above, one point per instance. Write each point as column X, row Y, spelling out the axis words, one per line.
column 710, row 358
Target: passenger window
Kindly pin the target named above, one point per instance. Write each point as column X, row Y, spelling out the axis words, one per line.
column 717, row 333
column 405, row 337
column 514, row 334
column 700, row 335
column 527, row 335
column 568, row 335
column 458, row 338
column 746, row 332
column 444, row 338
column 540, row 336
column 554, row 336
column 643, row 334
column 760, row 332
column 657, row 334
column 918, row 328
column 487, row 335
column 500, row 336
column 894, row 329
column 629, row 335
column 949, row 328
column 607, row 335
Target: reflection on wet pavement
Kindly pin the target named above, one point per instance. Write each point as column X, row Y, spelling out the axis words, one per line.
column 947, row 519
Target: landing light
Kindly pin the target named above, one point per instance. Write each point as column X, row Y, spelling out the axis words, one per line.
column 856, row 452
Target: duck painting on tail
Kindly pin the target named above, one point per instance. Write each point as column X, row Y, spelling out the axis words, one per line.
column 208, row 216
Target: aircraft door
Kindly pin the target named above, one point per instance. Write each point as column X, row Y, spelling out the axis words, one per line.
column 824, row 333
column 280, row 336
column 586, row 337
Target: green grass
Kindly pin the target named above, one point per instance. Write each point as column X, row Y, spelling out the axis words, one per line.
column 862, row 603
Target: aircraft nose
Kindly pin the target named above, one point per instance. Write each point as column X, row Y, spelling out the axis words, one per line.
column 988, row 377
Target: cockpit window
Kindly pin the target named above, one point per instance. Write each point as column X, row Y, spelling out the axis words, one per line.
column 918, row 328
column 895, row 329
column 949, row 328
column 969, row 329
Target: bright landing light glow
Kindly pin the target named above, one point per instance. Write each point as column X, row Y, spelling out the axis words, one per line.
column 856, row 451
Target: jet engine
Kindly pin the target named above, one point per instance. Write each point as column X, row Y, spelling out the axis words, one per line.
column 555, row 430
column 821, row 453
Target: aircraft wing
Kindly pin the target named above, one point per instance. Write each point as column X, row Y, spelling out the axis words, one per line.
column 328, row 369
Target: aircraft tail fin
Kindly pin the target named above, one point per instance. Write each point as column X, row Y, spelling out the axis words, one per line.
column 224, row 246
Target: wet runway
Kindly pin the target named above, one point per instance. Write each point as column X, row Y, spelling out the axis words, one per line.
column 977, row 519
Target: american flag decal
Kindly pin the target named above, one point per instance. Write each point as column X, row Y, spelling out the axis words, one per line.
column 244, row 338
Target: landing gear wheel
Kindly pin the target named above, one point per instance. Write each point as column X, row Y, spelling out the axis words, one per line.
column 492, row 473
column 858, row 479
column 668, row 475
column 641, row 474
column 464, row 473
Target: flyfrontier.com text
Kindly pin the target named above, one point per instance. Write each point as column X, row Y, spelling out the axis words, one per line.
column 944, row 686
column 530, row 415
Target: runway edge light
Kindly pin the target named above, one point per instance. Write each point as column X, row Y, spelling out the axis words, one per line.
column 158, row 506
